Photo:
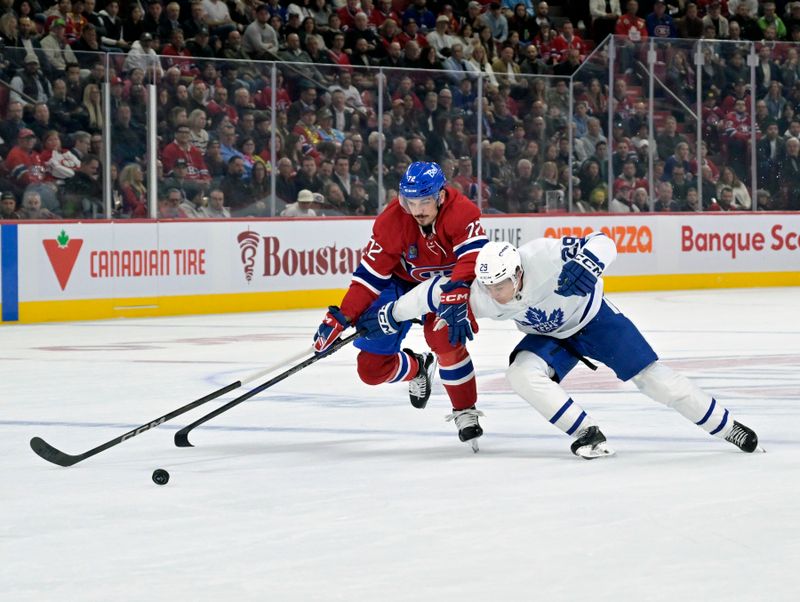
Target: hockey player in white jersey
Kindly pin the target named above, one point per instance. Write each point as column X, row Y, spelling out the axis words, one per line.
column 553, row 290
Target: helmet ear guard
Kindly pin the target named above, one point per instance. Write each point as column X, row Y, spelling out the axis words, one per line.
column 496, row 262
column 422, row 179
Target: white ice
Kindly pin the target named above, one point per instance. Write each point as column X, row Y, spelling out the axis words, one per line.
column 322, row 488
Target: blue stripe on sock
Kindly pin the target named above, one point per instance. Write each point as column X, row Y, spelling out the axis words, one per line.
column 708, row 414
column 403, row 368
column 9, row 269
column 457, row 373
column 721, row 424
column 575, row 426
column 560, row 413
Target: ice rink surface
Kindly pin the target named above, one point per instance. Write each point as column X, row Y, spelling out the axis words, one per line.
column 322, row 488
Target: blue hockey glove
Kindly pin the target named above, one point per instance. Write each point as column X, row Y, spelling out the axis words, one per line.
column 330, row 329
column 579, row 275
column 454, row 312
column 378, row 322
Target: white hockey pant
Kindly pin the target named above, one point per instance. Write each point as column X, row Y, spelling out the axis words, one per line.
column 674, row 390
column 531, row 378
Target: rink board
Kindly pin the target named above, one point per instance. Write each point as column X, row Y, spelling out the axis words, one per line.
column 55, row 271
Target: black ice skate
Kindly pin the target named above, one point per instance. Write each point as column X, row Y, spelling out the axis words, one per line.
column 590, row 444
column 743, row 438
column 419, row 387
column 468, row 427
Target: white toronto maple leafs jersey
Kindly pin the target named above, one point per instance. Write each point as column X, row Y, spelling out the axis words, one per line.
column 537, row 309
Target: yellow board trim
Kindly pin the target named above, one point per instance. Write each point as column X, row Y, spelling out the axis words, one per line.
column 101, row 309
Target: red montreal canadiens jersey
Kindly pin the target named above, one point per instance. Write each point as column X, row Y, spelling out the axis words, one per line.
column 399, row 248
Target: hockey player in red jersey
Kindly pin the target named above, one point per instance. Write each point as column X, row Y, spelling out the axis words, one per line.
column 429, row 231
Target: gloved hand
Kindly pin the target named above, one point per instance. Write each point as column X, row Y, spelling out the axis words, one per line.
column 378, row 322
column 454, row 313
column 330, row 329
column 579, row 275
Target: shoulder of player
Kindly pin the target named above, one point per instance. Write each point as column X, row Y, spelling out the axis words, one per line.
column 458, row 210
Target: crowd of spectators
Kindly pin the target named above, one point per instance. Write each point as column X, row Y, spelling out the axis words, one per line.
column 211, row 61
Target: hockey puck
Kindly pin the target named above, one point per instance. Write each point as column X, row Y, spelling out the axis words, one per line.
column 160, row 476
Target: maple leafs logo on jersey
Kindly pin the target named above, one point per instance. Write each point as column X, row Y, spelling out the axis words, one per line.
column 539, row 320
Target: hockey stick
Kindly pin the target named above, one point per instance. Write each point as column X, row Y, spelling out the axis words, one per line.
column 182, row 436
column 46, row 451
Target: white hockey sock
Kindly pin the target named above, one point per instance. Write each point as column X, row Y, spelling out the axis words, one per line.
column 530, row 377
column 674, row 390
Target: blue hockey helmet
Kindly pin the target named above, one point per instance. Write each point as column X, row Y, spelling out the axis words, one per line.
column 421, row 180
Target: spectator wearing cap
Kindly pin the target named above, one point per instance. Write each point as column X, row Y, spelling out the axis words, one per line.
column 30, row 84
column 660, row 23
column 714, row 18
column 8, row 207
column 23, row 163
column 302, row 207
column 142, row 55
column 200, row 44
column 56, row 51
column 260, row 39
column 60, row 10
column 439, row 38
column 111, row 37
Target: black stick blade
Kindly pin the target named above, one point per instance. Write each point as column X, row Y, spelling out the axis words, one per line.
column 182, row 438
column 47, row 452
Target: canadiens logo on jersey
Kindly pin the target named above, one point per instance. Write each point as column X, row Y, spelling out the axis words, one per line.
column 539, row 320
column 421, row 273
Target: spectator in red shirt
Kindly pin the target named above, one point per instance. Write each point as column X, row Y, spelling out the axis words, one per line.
column 181, row 148
column 183, row 58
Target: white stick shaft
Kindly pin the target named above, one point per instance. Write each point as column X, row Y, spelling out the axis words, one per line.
column 288, row 361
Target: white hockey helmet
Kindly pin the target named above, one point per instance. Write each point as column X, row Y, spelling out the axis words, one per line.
column 496, row 262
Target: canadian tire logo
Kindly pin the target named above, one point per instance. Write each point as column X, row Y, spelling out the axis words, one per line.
column 62, row 253
column 248, row 245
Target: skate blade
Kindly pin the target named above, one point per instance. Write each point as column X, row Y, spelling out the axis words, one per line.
column 761, row 449
column 473, row 443
column 601, row 450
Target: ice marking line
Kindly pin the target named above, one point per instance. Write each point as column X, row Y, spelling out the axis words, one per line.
column 699, row 438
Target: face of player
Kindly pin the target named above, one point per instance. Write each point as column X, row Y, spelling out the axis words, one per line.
column 502, row 292
column 423, row 210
